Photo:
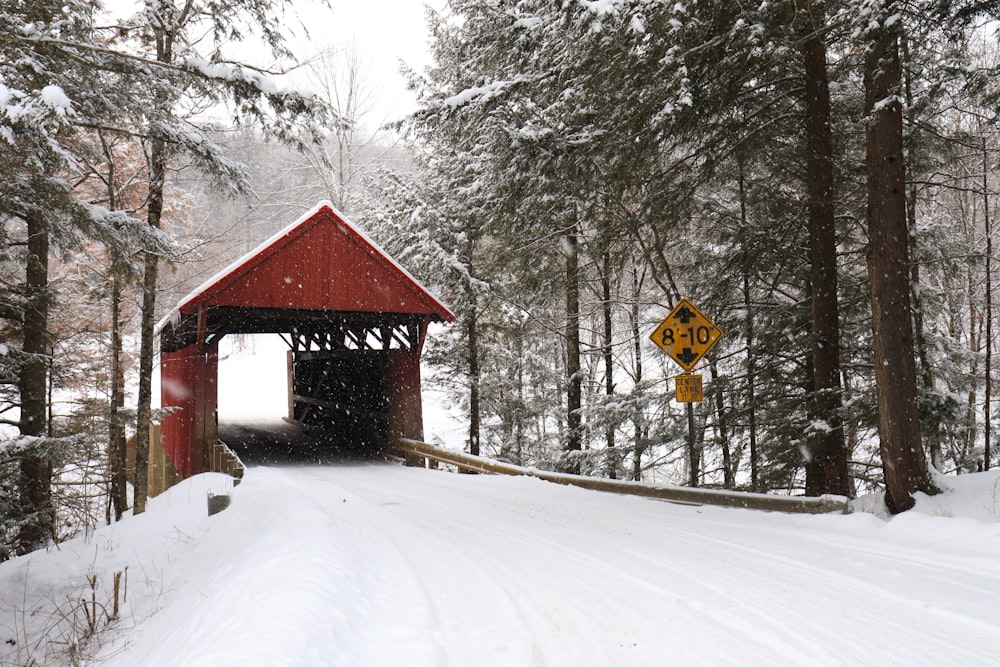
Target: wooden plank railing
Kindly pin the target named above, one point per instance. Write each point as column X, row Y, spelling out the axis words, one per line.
column 162, row 474
column 419, row 452
column 222, row 459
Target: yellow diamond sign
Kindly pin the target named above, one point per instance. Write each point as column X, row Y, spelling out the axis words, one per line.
column 686, row 335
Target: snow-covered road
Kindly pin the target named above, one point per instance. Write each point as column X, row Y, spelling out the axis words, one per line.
column 377, row 564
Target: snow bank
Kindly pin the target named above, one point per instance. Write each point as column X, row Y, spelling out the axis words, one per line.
column 40, row 613
column 377, row 564
column 975, row 496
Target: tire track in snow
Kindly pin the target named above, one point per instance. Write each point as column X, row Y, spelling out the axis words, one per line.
column 548, row 618
column 807, row 577
column 675, row 615
column 426, row 589
column 885, row 605
column 586, row 581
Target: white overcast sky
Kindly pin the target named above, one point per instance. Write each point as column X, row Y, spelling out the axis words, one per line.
column 385, row 32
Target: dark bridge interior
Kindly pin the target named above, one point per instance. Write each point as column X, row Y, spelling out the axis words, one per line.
column 343, row 394
column 339, row 400
column 282, row 443
column 339, row 394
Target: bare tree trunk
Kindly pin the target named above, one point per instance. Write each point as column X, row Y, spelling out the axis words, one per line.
column 638, row 419
column 116, row 435
column 902, row 451
column 33, row 382
column 472, row 329
column 728, row 470
column 520, row 413
column 609, row 367
column 826, row 471
column 574, row 385
column 117, row 454
column 749, row 336
column 158, row 167
column 988, row 389
column 164, row 34
column 919, row 337
column 36, row 471
column 472, row 334
column 975, row 347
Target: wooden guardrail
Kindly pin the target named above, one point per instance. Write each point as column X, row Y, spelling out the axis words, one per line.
column 222, row 459
column 162, row 474
column 418, row 452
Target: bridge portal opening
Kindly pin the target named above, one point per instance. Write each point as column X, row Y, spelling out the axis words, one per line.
column 253, row 383
column 344, row 377
column 278, row 407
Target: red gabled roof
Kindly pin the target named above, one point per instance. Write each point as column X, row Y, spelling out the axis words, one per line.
column 320, row 262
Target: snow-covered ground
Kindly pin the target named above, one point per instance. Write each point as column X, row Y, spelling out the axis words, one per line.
column 371, row 563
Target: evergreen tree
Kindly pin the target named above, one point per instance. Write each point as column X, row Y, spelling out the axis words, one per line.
column 62, row 79
column 50, row 91
column 903, row 459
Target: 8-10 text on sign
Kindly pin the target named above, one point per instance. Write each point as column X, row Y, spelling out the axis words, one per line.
column 686, row 335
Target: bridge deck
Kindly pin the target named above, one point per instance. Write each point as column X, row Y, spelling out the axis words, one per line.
column 280, row 442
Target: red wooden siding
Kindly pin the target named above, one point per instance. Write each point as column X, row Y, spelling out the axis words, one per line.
column 406, row 418
column 189, row 379
column 322, row 263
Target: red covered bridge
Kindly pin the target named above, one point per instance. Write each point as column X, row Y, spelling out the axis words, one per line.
column 355, row 322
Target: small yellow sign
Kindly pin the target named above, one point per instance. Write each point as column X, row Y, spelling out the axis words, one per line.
column 686, row 335
column 689, row 388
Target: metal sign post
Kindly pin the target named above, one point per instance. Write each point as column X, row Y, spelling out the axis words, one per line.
column 686, row 335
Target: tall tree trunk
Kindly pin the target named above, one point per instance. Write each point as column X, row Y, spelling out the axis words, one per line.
column 919, row 336
column 116, row 434
column 933, row 423
column 749, row 336
column 33, row 382
column 728, row 470
column 36, row 470
column 902, row 451
column 826, row 471
column 472, row 331
column 988, row 388
column 169, row 19
column 574, row 384
column 975, row 347
column 158, row 168
column 117, row 446
column 609, row 363
column 638, row 418
column 520, row 414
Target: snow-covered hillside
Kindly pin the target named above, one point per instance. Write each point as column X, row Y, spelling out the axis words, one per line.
column 367, row 563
